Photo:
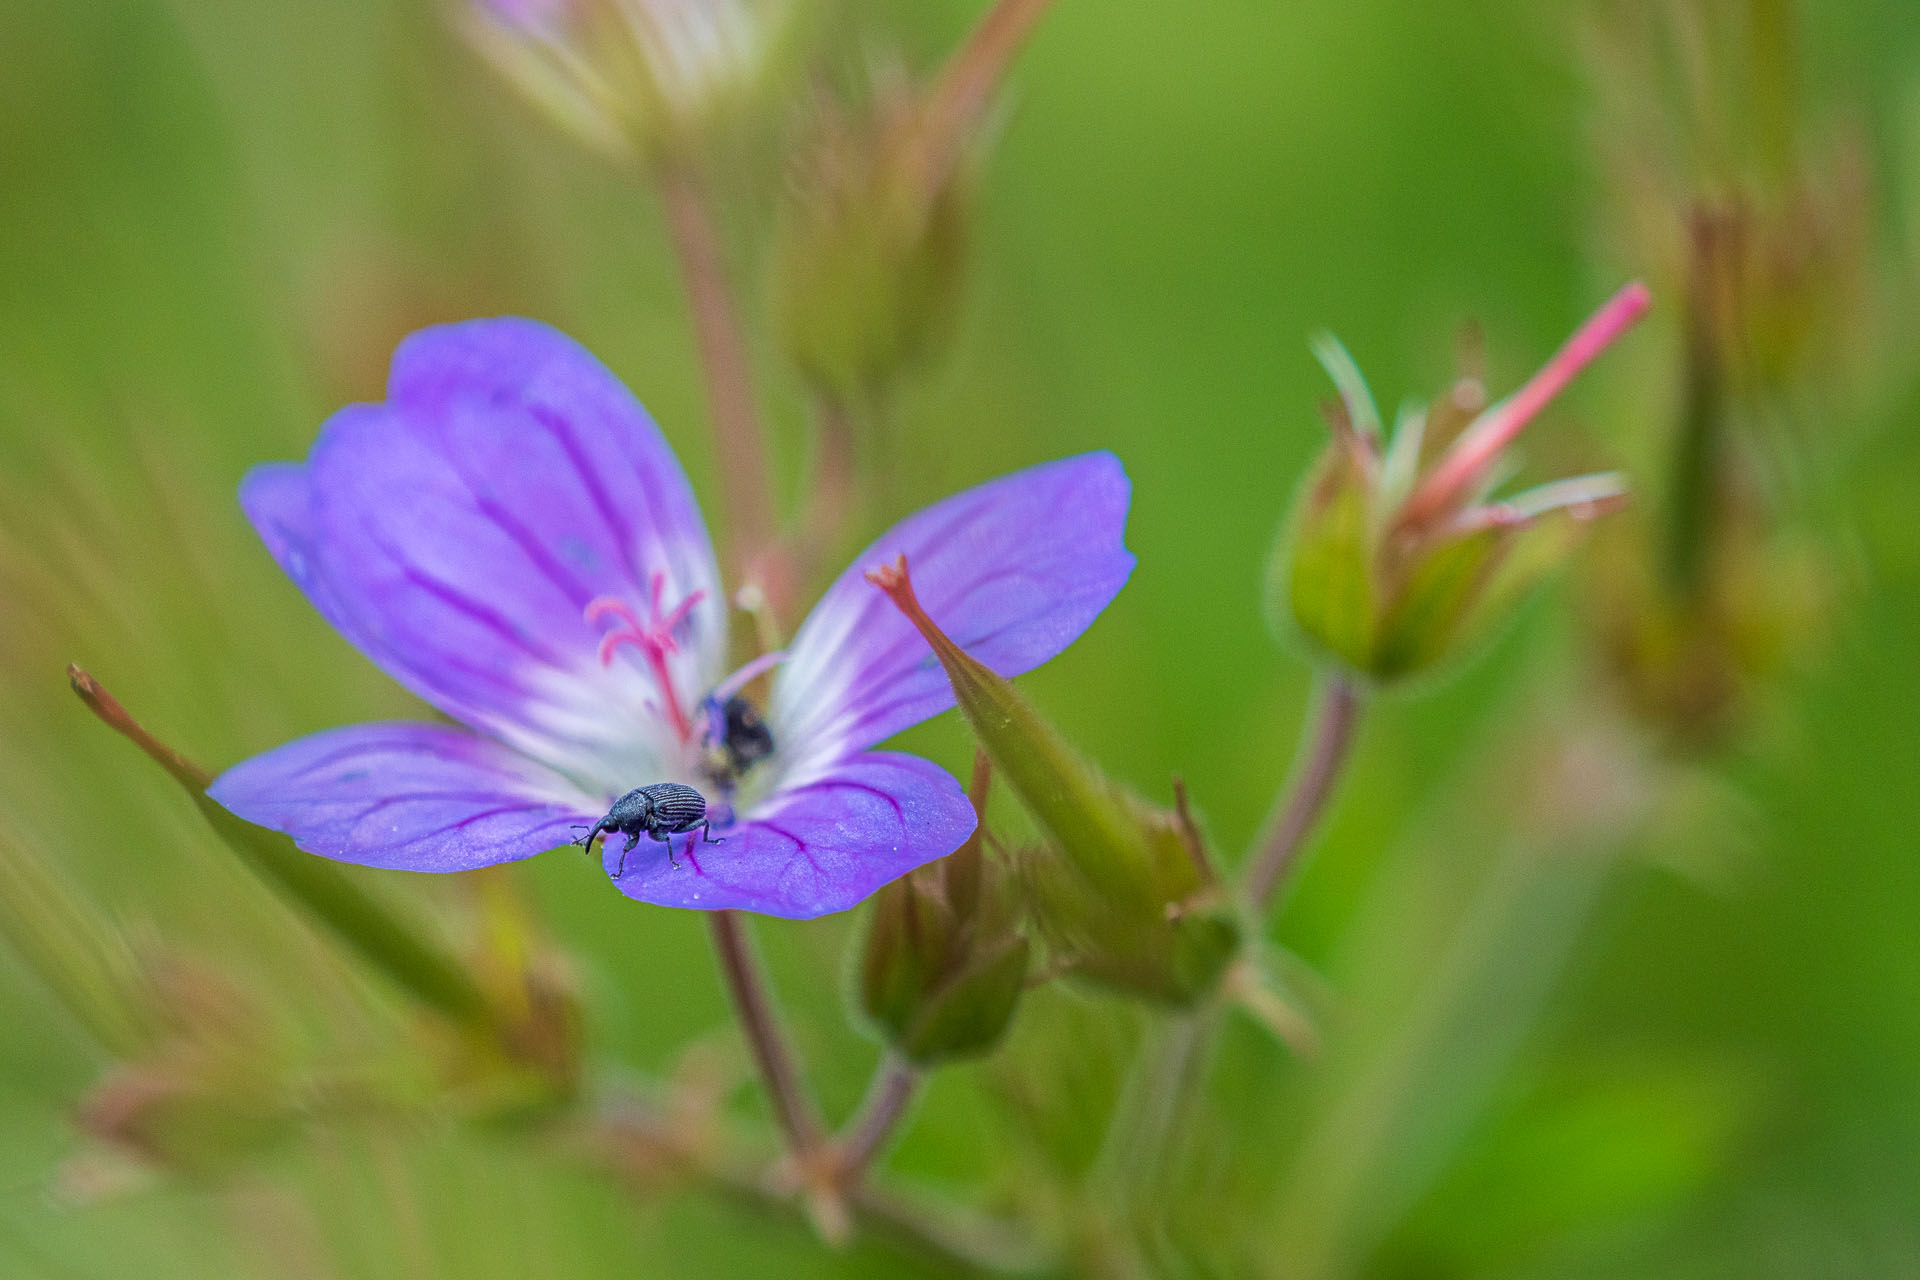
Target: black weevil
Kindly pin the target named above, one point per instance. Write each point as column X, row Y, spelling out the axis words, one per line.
column 662, row 811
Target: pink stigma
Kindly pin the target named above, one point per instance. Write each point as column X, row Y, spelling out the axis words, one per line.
column 655, row 641
column 1475, row 452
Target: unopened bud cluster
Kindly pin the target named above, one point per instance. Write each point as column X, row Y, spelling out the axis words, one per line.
column 945, row 960
column 1397, row 556
column 868, row 264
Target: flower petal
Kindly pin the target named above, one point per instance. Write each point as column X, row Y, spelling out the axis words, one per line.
column 1014, row 570
column 415, row 797
column 456, row 533
column 811, row 850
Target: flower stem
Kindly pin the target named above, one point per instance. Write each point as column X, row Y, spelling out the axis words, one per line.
column 1310, row 787
column 793, row 1109
column 894, row 1084
column 740, row 441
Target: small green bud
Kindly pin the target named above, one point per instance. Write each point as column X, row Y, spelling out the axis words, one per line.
column 868, row 264
column 1323, row 577
column 183, row 1123
column 869, row 258
column 1122, row 891
column 945, row 964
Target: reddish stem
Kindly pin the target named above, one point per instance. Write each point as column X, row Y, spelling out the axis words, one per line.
column 892, row 1090
column 799, row 1120
column 740, row 443
column 1308, row 791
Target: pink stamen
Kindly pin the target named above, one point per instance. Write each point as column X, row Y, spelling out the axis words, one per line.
column 655, row 641
column 1477, row 448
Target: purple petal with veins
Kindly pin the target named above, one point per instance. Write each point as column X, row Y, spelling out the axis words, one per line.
column 457, row 532
column 418, row 797
column 1014, row 570
column 809, row 850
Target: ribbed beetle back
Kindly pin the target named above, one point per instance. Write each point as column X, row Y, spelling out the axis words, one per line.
column 676, row 807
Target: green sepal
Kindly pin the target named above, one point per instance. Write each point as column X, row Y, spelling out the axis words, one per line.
column 869, row 257
column 1426, row 617
column 1116, row 886
column 1320, row 578
column 968, row 1014
column 313, row 884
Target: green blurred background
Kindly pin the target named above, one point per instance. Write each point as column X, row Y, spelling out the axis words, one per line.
column 1687, row 1048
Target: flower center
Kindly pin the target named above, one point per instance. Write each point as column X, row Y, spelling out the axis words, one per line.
column 655, row 638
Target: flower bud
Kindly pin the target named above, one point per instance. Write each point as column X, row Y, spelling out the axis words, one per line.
column 630, row 76
column 945, row 964
column 1395, row 558
column 1122, row 891
column 867, row 267
column 868, row 261
column 173, row 1118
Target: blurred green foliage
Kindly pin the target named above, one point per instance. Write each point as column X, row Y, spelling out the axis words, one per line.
column 1682, row 1045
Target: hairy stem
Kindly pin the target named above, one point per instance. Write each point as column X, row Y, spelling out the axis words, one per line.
column 793, row 1109
column 740, row 441
column 894, row 1084
column 398, row 947
column 1310, row 787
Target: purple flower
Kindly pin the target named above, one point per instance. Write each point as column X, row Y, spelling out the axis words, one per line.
column 477, row 534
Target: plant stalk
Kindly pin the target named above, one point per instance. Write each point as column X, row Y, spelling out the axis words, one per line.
column 1309, row 789
column 895, row 1082
column 793, row 1108
column 740, row 440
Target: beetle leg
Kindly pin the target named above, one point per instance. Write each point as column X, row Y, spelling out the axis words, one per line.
column 666, row 840
column 633, row 838
column 707, row 836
